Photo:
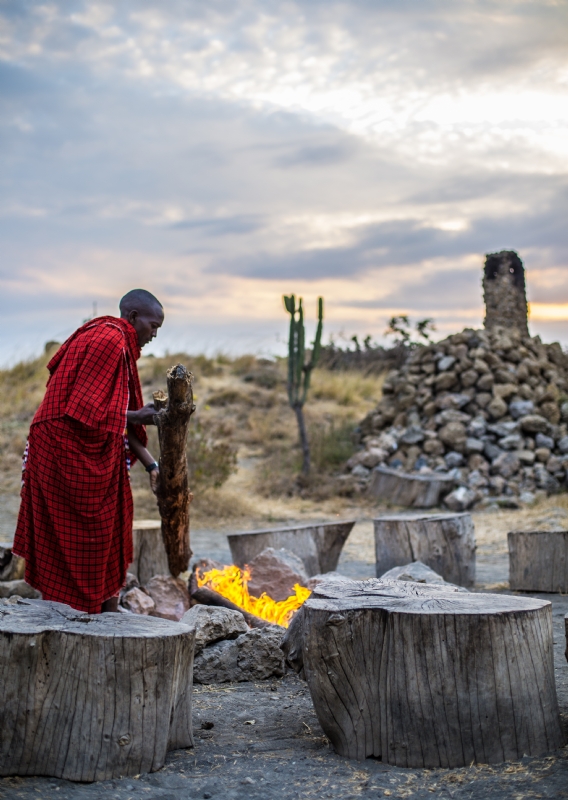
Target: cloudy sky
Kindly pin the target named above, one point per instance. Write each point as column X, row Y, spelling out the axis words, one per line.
column 223, row 153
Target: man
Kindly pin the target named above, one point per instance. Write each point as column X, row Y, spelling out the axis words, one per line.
column 75, row 522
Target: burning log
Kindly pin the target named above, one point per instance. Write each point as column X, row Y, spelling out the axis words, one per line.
column 209, row 597
column 174, row 496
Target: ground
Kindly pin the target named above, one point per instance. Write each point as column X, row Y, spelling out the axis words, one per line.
column 265, row 741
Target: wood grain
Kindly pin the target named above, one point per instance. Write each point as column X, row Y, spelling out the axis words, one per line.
column 412, row 491
column 538, row 561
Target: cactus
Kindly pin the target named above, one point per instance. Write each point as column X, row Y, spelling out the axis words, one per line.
column 299, row 373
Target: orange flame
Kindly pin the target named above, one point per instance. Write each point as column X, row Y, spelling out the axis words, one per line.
column 232, row 583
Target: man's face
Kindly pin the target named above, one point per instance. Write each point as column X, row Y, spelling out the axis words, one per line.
column 146, row 323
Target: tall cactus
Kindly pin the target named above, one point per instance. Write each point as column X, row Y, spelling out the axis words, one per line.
column 299, row 373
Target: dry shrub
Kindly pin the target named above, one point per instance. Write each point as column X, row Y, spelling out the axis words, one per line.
column 227, row 397
column 209, row 460
column 331, row 444
column 219, row 504
column 347, row 388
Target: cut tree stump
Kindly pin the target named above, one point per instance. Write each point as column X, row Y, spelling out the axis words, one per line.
column 444, row 542
column 12, row 567
column 538, row 561
column 174, row 496
column 319, row 546
column 413, row 491
column 150, row 557
column 89, row 698
column 421, row 677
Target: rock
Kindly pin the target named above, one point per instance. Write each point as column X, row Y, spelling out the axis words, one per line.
column 563, row 444
column 476, row 480
column 446, row 363
column 477, row 461
column 412, row 435
column 497, row 408
column 512, row 442
column 453, row 435
column 497, row 484
column 527, row 498
column 520, row 408
column 485, row 383
column 452, row 415
column 434, row 447
column 453, row 459
column 501, row 429
column 360, row 471
column 445, row 380
column 469, row 378
column 170, row 596
column 542, row 454
column 18, row 588
column 454, row 400
column 474, row 445
column 372, row 457
column 12, row 567
column 481, row 366
column 492, row 451
column 542, row 440
column 483, row 399
column 417, row 572
column 564, row 411
column 325, row 577
column 276, row 572
column 421, row 464
column 460, row 499
column 477, row 427
column 526, row 457
column 253, row 656
column 504, row 390
column 534, row 423
column 138, row 602
column 554, row 464
column 214, row 624
column 506, row 465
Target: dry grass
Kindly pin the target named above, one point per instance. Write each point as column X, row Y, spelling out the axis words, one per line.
column 347, row 388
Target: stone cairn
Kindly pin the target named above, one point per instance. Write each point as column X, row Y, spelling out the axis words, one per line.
column 487, row 405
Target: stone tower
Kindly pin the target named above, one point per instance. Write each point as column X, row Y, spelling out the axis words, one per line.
column 504, row 292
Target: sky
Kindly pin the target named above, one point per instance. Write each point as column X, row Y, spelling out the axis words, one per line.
column 221, row 154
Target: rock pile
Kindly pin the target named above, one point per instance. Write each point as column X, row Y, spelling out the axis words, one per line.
column 490, row 406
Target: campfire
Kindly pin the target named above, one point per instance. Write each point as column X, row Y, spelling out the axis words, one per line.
column 231, row 582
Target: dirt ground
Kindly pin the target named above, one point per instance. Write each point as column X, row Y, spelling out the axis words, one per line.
column 266, row 741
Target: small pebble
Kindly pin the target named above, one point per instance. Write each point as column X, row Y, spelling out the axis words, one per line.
column 207, row 795
column 206, row 726
column 248, row 779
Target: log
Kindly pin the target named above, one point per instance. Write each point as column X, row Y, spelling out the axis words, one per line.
column 538, row 561
column 422, row 677
column 413, row 491
column 318, row 545
column 444, row 542
column 90, row 698
column 150, row 557
column 174, row 496
column 209, row 597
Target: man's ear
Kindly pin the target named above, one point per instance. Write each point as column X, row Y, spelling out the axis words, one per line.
column 132, row 316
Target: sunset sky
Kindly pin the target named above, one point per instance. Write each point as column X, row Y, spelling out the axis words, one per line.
column 222, row 153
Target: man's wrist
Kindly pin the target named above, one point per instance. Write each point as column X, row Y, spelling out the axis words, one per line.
column 151, row 467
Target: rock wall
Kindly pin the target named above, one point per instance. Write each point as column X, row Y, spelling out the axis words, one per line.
column 491, row 405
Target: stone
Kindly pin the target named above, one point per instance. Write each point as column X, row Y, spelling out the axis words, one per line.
column 372, row 457
column 474, row 445
column 452, row 415
column 476, row 480
column 434, row 447
column 453, row 459
column 412, row 435
column 460, row 499
column 542, row 440
column 551, row 412
column 12, row 567
column 527, row 498
column 477, row 461
column 214, row 624
column 18, row 588
column 446, row 363
column 526, row 457
column 564, row 411
column 253, row 656
column 485, row 382
column 469, row 378
column 483, row 399
column 421, row 464
column 445, row 380
column 542, row 454
column 275, row 572
column 511, row 442
column 360, row 471
column 492, row 451
column 170, row 596
column 497, row 484
column 534, row 423
column 454, row 400
column 506, row 465
column 417, row 572
column 138, row 602
column 480, row 365
column 504, row 390
column 563, row 444
column 453, row 435
column 520, row 408
column 501, row 429
column 477, row 427
column 497, row 408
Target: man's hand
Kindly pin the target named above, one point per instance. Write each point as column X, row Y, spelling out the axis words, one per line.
column 154, row 480
column 144, row 415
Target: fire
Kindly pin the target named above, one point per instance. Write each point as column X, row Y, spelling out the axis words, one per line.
column 232, row 583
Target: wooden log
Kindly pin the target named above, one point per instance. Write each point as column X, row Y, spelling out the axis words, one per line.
column 209, row 597
column 174, row 496
column 89, row 698
column 538, row 561
column 150, row 557
column 422, row 677
column 412, row 491
column 444, row 542
column 318, row 545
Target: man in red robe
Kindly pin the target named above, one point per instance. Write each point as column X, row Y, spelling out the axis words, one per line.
column 75, row 522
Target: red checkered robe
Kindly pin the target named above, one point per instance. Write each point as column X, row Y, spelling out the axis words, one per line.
column 75, row 522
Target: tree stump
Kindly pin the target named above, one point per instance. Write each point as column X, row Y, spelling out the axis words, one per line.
column 174, row 496
column 538, row 561
column 319, row 546
column 150, row 556
column 444, row 542
column 413, row 491
column 419, row 676
column 89, row 698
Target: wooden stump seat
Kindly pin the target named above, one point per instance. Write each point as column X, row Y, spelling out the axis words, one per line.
column 420, row 676
column 538, row 561
column 410, row 490
column 444, row 542
column 150, row 556
column 319, row 545
column 91, row 697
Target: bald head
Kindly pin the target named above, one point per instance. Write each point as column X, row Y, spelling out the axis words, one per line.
column 144, row 312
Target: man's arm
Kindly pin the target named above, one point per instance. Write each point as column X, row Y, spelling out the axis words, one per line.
column 142, row 454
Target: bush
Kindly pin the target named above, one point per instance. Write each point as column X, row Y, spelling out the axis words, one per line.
column 210, row 462
column 331, row 445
